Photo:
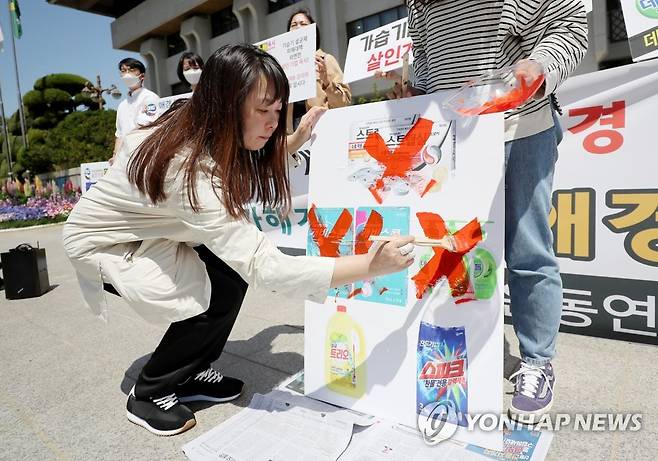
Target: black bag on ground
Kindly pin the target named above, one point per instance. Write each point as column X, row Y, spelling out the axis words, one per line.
column 25, row 272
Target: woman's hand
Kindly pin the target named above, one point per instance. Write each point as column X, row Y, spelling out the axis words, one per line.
column 305, row 128
column 308, row 121
column 392, row 256
column 321, row 68
column 398, row 91
column 530, row 70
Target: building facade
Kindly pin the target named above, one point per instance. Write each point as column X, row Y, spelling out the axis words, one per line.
column 161, row 30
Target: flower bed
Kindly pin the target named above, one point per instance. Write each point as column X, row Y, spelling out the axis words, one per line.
column 23, row 205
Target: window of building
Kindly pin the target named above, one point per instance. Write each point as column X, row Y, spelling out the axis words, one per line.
column 276, row 5
column 368, row 23
column 223, row 21
column 175, row 44
column 616, row 26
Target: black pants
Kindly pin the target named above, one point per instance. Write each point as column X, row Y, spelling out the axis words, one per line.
column 191, row 345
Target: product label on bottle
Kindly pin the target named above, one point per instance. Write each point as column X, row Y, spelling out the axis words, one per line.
column 340, row 355
column 483, row 273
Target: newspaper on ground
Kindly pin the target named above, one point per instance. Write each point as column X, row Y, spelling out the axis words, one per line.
column 286, row 425
column 389, row 441
column 278, row 426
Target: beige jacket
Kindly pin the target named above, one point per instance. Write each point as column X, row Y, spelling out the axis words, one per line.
column 116, row 235
column 337, row 94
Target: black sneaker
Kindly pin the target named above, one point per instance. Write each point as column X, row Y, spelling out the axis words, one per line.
column 210, row 386
column 161, row 416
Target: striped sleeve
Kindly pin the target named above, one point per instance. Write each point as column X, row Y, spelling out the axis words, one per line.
column 420, row 58
column 564, row 41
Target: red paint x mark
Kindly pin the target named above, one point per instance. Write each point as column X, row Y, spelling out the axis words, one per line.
column 399, row 162
column 328, row 243
column 354, row 293
column 444, row 262
column 373, row 226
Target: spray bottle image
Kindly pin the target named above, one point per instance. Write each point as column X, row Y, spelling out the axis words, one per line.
column 345, row 355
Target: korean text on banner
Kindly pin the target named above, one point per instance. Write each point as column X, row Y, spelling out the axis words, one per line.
column 380, row 49
column 605, row 223
column 295, row 51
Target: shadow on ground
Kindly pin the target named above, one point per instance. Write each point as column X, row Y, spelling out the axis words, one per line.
column 263, row 384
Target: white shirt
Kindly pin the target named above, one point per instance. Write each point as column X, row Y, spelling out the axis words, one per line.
column 138, row 109
column 116, row 235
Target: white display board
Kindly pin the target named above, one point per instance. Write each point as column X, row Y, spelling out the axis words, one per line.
column 394, row 346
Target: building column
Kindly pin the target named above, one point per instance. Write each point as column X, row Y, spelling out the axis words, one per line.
column 154, row 51
column 332, row 25
column 249, row 14
column 196, row 33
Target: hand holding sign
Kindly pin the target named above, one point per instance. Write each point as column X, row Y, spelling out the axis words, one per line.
column 321, row 69
column 401, row 88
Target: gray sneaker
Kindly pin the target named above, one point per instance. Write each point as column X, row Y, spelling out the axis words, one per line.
column 533, row 392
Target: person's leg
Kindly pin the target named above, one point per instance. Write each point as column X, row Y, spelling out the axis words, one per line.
column 534, row 277
column 191, row 345
column 187, row 348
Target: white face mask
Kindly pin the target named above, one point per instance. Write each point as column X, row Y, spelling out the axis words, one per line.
column 129, row 80
column 192, row 75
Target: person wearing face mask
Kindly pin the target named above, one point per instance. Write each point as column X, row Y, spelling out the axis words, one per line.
column 190, row 177
column 189, row 69
column 331, row 91
column 139, row 108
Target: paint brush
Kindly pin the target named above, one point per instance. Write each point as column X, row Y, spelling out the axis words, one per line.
column 448, row 242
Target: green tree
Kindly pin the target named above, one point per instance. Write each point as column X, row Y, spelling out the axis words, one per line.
column 37, row 158
column 52, row 98
column 81, row 137
column 58, row 134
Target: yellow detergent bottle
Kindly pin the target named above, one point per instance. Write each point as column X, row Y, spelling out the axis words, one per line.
column 345, row 353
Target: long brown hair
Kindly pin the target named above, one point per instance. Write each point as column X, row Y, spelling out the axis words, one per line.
column 209, row 126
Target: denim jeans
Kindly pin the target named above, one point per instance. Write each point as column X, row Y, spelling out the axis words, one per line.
column 534, row 276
